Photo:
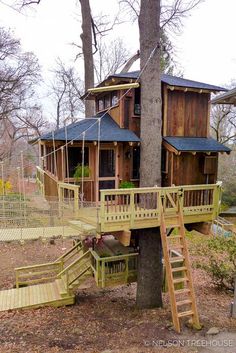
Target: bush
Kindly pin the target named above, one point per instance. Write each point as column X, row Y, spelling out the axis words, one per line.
column 126, row 185
column 220, row 261
column 80, row 171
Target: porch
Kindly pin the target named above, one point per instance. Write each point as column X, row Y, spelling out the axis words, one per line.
column 137, row 208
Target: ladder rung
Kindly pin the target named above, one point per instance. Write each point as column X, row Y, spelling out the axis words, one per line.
column 180, row 280
column 177, row 246
column 178, row 269
column 183, row 302
column 172, row 237
column 176, row 259
column 182, row 291
column 173, row 226
column 186, row 313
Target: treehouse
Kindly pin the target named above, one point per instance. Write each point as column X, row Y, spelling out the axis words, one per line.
column 89, row 160
column 109, row 143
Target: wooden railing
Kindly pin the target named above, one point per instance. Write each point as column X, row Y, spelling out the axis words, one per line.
column 35, row 274
column 68, row 193
column 141, row 207
column 40, row 180
column 114, row 270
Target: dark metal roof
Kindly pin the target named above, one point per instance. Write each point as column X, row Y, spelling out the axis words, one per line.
column 196, row 144
column 173, row 81
column 110, row 131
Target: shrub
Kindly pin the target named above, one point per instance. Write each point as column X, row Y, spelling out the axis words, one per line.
column 126, row 185
column 80, row 171
column 220, row 260
column 5, row 187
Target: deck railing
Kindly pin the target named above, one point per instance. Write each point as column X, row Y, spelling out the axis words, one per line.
column 133, row 206
column 112, row 270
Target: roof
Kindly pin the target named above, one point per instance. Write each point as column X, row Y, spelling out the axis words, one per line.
column 110, row 131
column 196, row 144
column 225, row 98
column 173, row 81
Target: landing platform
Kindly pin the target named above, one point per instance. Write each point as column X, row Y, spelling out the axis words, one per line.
column 33, row 297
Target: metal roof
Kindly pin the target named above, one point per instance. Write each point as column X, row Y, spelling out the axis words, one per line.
column 173, row 81
column 196, row 144
column 110, row 131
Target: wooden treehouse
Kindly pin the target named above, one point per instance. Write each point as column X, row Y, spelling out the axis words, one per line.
column 108, row 144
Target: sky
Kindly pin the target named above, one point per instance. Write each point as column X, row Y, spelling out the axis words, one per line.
column 205, row 50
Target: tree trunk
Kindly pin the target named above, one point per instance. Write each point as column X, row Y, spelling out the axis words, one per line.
column 87, row 46
column 150, row 267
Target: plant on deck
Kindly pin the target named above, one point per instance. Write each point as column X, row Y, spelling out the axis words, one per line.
column 126, row 185
column 81, row 171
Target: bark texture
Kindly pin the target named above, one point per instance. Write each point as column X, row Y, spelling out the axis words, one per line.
column 87, row 45
column 150, row 267
column 151, row 122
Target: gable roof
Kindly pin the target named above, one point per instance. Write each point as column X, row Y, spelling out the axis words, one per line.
column 110, row 131
column 172, row 81
column 196, row 144
column 226, row 98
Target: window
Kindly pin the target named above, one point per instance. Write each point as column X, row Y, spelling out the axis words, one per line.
column 136, row 162
column 100, row 104
column 164, row 161
column 114, row 98
column 137, row 106
column 107, row 163
column 107, row 101
column 75, row 157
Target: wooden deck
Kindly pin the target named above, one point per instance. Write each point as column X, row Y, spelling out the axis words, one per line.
column 126, row 209
column 46, row 294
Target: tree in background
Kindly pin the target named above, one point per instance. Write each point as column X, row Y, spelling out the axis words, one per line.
column 223, row 123
column 20, row 116
column 66, row 91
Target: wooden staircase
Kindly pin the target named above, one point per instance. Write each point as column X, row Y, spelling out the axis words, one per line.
column 51, row 284
column 179, row 279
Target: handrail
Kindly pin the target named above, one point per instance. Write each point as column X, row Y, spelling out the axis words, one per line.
column 48, row 264
column 73, row 263
column 69, row 251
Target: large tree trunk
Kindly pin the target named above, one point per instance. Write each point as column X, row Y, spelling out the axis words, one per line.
column 87, row 46
column 150, row 267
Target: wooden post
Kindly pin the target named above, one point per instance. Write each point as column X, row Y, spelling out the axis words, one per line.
column 103, row 274
column 132, row 209
column 234, row 302
column 102, row 210
column 76, row 201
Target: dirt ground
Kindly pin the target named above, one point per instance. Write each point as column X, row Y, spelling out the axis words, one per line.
column 107, row 321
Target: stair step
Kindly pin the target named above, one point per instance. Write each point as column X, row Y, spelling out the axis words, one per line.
column 184, row 302
column 182, row 291
column 186, row 313
column 173, row 260
column 178, row 269
column 180, row 280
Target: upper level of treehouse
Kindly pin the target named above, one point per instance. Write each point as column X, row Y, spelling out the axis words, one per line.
column 109, row 143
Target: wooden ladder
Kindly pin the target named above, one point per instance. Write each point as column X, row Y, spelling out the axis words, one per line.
column 175, row 252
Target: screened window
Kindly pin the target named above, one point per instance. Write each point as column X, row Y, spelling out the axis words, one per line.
column 75, row 157
column 136, row 163
column 137, row 103
column 107, row 163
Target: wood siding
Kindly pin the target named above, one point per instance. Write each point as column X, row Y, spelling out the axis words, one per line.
column 187, row 114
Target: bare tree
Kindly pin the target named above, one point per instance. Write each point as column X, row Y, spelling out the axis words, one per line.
column 66, row 90
column 20, row 116
column 223, row 123
column 109, row 58
column 150, row 267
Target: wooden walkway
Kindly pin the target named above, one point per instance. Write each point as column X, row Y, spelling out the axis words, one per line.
column 34, row 296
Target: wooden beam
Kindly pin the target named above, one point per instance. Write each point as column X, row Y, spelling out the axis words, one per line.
column 113, row 88
column 187, row 89
column 171, row 148
column 165, row 107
